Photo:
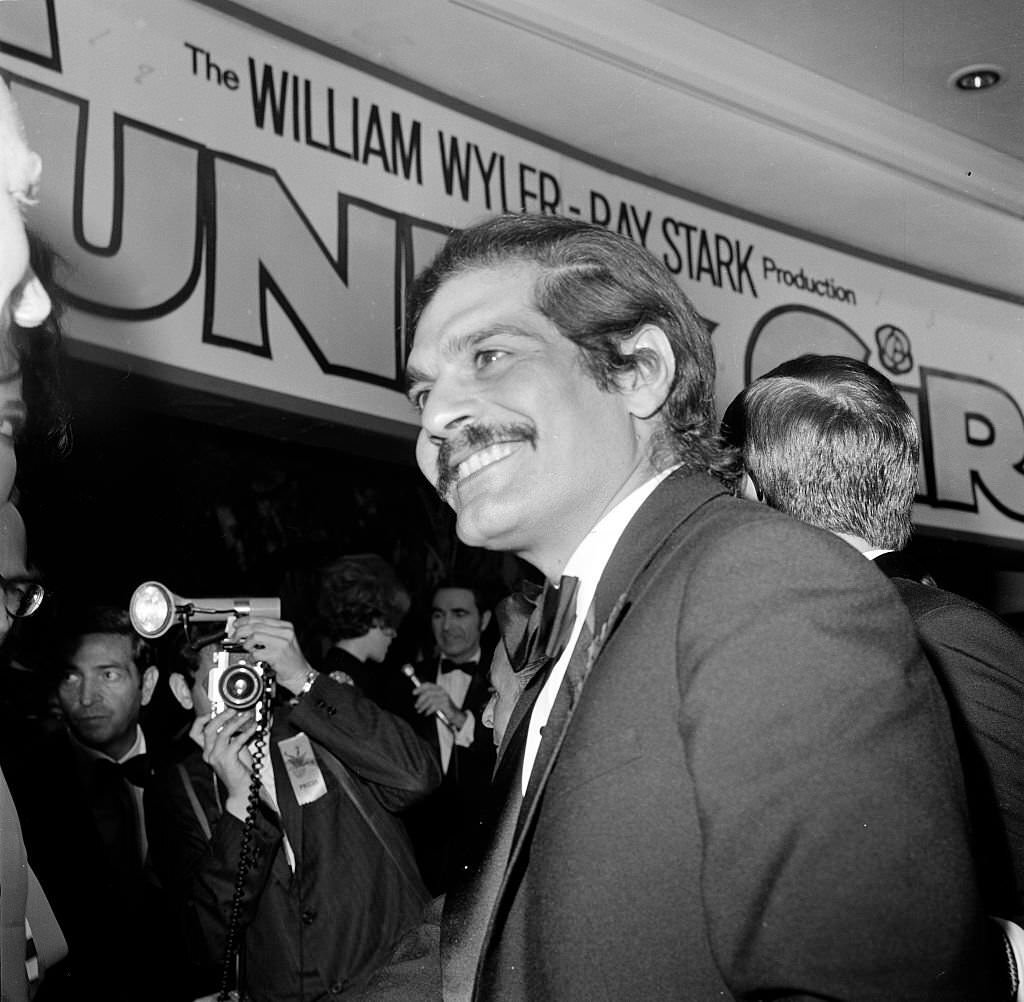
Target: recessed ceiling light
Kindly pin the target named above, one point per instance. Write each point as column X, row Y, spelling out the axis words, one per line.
column 976, row 78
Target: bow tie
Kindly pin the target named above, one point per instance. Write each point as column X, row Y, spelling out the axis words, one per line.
column 536, row 624
column 136, row 769
column 448, row 665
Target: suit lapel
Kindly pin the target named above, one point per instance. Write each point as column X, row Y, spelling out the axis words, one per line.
column 661, row 516
column 639, row 550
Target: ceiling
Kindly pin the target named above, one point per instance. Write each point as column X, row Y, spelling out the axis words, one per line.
column 900, row 53
column 831, row 118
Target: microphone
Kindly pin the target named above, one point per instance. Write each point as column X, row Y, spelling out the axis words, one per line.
column 410, row 673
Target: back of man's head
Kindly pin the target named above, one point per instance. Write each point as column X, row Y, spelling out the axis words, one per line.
column 597, row 287
column 830, row 441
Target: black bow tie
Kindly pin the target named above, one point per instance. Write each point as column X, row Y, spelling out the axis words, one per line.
column 448, row 665
column 136, row 769
column 536, row 624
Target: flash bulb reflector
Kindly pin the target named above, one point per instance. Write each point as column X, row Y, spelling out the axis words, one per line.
column 152, row 609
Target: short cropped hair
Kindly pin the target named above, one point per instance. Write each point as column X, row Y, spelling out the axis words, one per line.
column 358, row 593
column 186, row 647
column 464, row 584
column 106, row 619
column 597, row 287
column 830, row 441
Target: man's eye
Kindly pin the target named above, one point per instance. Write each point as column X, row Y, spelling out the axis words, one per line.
column 418, row 398
column 488, row 356
column 111, row 675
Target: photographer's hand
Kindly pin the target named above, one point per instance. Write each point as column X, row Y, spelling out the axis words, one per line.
column 225, row 739
column 274, row 641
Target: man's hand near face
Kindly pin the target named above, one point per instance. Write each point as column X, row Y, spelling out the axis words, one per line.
column 225, row 742
column 274, row 641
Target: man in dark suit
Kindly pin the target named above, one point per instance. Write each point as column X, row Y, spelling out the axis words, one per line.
column 330, row 886
column 830, row 440
column 446, row 708
column 80, row 793
column 736, row 777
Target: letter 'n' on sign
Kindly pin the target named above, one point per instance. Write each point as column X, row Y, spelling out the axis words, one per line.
column 263, row 252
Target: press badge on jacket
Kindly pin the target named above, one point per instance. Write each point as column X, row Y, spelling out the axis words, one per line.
column 303, row 772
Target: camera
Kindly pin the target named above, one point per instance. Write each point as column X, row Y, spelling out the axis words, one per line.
column 237, row 681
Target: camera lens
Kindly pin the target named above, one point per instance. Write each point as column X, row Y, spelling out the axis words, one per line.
column 241, row 686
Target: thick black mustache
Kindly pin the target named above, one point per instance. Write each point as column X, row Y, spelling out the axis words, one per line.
column 476, row 436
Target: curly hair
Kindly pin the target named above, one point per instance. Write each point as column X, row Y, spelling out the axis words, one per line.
column 597, row 287
column 358, row 593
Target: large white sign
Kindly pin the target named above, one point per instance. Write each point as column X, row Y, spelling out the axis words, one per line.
column 245, row 210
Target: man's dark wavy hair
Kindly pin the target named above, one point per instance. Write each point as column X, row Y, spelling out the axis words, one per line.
column 597, row 287
column 107, row 619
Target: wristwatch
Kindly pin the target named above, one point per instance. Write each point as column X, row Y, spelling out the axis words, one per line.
column 311, row 676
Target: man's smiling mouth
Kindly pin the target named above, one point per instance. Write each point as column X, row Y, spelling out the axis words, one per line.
column 481, row 446
column 483, row 458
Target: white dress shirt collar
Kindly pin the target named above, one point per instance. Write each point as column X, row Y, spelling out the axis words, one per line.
column 587, row 563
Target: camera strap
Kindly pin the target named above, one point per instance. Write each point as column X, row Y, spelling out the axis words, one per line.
column 258, row 748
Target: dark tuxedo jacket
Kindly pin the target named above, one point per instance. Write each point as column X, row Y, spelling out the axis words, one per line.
column 441, row 824
column 979, row 661
column 80, row 828
column 325, row 928
column 756, row 794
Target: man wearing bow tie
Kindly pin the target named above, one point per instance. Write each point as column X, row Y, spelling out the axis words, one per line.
column 735, row 777
column 81, row 793
column 446, row 710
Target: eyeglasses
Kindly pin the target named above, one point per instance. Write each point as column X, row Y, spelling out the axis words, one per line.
column 22, row 597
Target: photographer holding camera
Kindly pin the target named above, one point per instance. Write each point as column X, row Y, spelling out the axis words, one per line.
column 329, row 886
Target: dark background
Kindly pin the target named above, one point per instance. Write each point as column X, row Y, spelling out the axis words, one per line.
column 224, row 498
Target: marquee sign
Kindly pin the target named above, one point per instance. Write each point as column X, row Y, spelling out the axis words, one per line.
column 244, row 207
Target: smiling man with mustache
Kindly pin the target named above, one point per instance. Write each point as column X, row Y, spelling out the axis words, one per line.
column 735, row 777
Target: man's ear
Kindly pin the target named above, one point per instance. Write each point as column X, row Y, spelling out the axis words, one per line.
column 149, row 680
column 649, row 382
column 180, row 688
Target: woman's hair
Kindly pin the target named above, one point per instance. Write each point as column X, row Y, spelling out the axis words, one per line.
column 358, row 593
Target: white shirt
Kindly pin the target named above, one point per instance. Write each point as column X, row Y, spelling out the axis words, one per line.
column 138, row 748
column 456, row 684
column 587, row 563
